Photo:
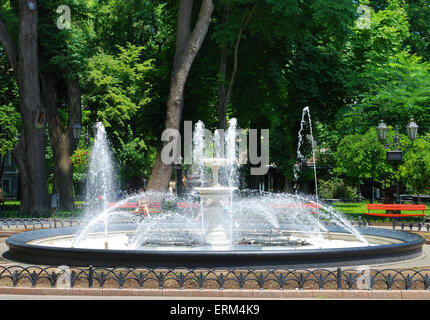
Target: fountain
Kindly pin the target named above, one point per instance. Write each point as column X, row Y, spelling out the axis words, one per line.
column 224, row 228
column 213, row 198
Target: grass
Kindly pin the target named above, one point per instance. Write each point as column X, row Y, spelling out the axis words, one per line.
column 356, row 209
column 360, row 207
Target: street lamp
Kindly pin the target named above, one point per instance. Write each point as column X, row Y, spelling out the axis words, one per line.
column 77, row 128
column 412, row 129
column 179, row 183
column 381, row 130
column 396, row 154
column 87, row 137
column 95, row 129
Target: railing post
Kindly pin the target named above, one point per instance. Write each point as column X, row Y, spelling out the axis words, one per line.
column 339, row 278
column 90, row 277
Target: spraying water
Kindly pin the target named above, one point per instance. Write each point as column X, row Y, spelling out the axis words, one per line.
column 301, row 159
column 199, row 152
column 263, row 219
column 232, row 153
column 100, row 187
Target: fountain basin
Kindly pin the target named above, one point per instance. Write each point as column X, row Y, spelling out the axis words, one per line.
column 389, row 246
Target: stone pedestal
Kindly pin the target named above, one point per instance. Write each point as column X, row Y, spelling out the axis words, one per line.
column 216, row 235
column 213, row 197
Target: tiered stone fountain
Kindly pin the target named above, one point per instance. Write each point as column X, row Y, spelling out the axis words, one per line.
column 214, row 199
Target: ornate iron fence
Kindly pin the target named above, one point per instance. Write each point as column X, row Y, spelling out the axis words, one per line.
column 42, row 223
column 183, row 278
column 397, row 225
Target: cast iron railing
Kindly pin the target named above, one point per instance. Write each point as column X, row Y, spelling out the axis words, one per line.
column 36, row 223
column 45, row 223
column 183, row 278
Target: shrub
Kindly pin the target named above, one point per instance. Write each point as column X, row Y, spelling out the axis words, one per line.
column 334, row 188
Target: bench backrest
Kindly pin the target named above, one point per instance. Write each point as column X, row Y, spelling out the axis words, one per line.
column 281, row 205
column 133, row 205
column 404, row 207
column 187, row 205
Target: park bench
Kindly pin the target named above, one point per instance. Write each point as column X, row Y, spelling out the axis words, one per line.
column 187, row 205
column 154, row 207
column 130, row 207
column 395, row 208
column 280, row 205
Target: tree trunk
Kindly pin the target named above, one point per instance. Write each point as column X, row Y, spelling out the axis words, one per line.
column 224, row 96
column 287, row 185
column 187, row 46
column 3, row 161
column 62, row 141
column 221, row 89
column 221, row 86
column 31, row 152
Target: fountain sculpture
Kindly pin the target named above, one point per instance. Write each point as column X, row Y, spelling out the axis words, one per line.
column 213, row 198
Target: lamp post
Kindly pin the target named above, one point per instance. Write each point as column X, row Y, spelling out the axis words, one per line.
column 179, row 184
column 95, row 130
column 87, row 137
column 396, row 154
column 77, row 130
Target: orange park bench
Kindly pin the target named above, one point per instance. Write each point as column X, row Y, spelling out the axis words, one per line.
column 396, row 207
column 188, row 205
column 130, row 207
column 189, row 208
column 280, row 205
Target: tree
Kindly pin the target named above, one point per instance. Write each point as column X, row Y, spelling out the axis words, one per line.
column 136, row 160
column 29, row 153
column 62, row 57
column 419, row 20
column 118, row 87
column 57, row 58
column 362, row 156
column 223, row 94
column 188, row 44
column 415, row 169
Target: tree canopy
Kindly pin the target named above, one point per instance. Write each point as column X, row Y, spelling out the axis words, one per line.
column 260, row 61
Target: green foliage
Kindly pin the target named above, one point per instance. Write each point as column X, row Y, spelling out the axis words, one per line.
column 372, row 47
column 362, row 156
column 399, row 92
column 118, row 88
column 292, row 54
column 415, row 169
column 65, row 51
column 335, row 188
column 80, row 159
column 419, row 20
column 9, row 128
column 136, row 160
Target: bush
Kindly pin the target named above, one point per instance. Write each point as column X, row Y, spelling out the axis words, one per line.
column 334, row 189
